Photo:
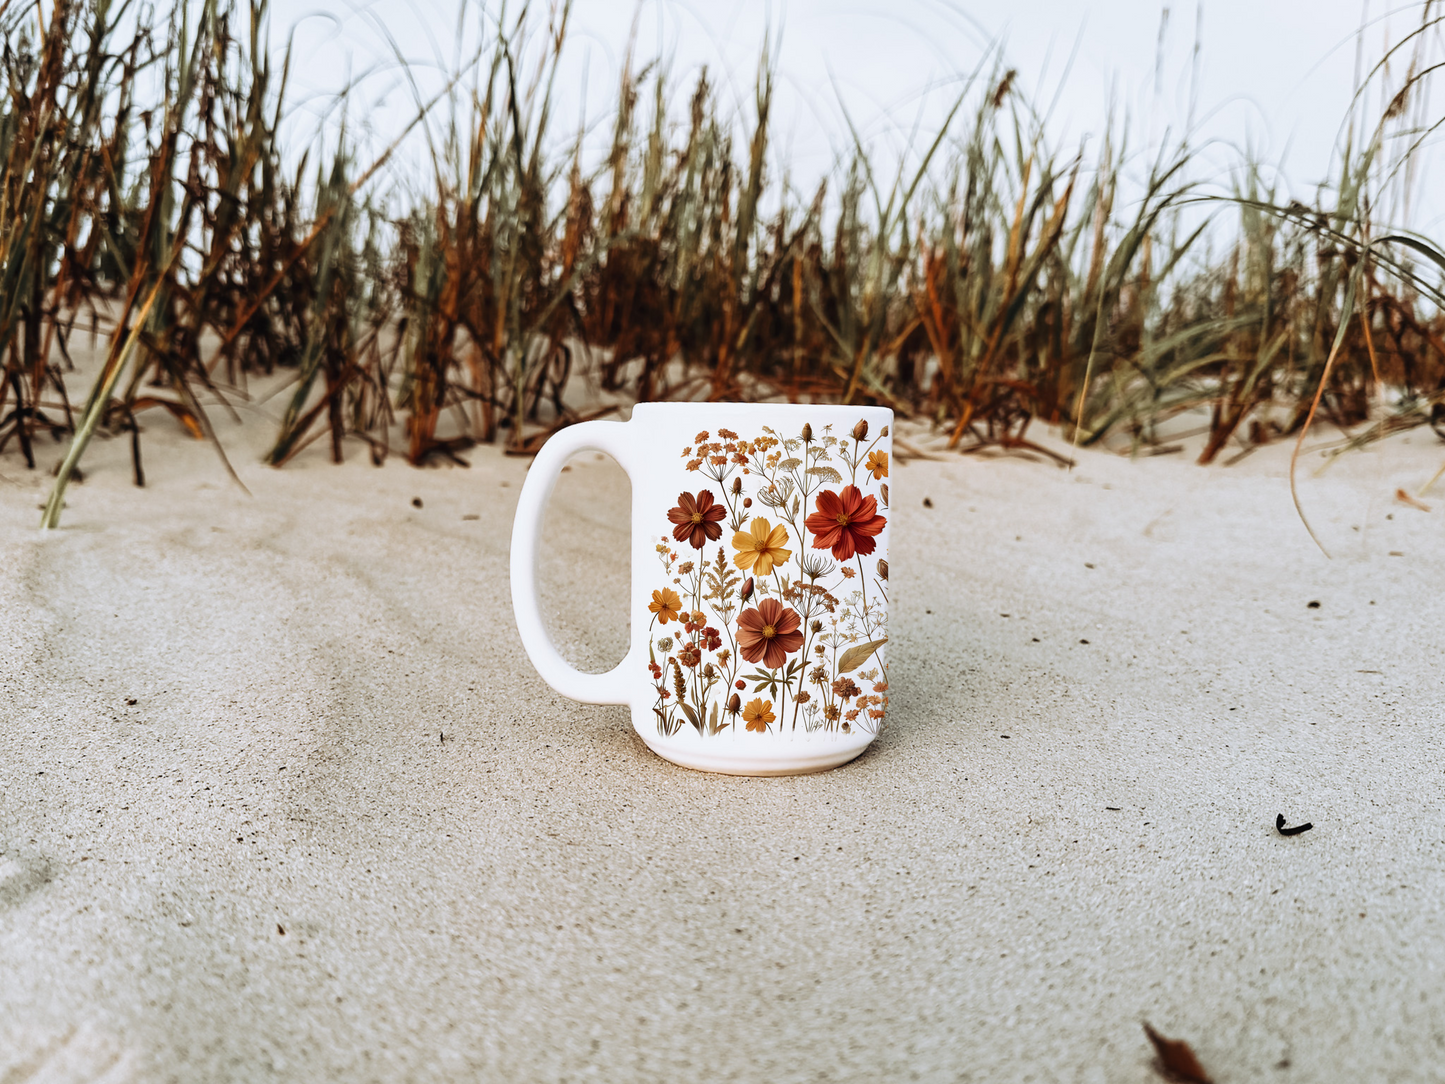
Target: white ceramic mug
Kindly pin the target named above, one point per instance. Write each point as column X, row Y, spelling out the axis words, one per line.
column 759, row 605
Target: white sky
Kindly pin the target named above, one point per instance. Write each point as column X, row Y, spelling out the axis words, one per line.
column 1276, row 75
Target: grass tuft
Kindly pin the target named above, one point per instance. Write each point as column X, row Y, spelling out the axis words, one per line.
column 988, row 281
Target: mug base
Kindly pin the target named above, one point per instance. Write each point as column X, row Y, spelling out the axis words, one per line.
column 795, row 762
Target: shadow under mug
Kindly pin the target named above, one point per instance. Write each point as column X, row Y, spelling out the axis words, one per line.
column 759, row 603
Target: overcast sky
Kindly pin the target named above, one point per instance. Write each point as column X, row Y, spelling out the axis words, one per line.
column 1276, row 75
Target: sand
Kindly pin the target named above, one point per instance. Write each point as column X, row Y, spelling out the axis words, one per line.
column 284, row 800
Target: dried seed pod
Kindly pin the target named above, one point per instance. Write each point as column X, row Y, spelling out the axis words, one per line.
column 735, row 704
column 746, row 591
column 817, row 627
column 737, row 485
column 807, row 433
column 747, row 502
column 883, row 432
column 883, row 570
column 860, row 431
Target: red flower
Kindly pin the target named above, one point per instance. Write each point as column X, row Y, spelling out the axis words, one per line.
column 711, row 638
column 769, row 634
column 697, row 519
column 845, row 522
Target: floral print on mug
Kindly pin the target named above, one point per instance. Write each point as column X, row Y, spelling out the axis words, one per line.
column 770, row 613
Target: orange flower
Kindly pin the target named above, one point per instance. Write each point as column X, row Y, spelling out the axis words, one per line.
column 769, row 633
column 696, row 518
column 758, row 714
column 878, row 464
column 665, row 605
column 846, row 523
column 760, row 547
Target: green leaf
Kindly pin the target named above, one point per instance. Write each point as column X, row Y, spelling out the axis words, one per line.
column 855, row 657
column 765, row 679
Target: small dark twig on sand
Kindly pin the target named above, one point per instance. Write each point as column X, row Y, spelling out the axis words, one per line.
column 1296, row 830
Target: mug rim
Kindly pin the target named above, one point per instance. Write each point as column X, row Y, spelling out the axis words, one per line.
column 656, row 405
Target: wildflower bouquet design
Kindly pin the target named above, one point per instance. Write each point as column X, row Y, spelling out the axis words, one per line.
column 773, row 608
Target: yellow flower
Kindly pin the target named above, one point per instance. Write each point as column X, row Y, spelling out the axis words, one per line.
column 665, row 605
column 758, row 714
column 760, row 547
column 878, row 464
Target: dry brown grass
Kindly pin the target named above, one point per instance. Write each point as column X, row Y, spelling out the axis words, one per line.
column 995, row 283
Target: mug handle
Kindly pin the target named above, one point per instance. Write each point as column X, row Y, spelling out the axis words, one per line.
column 611, row 438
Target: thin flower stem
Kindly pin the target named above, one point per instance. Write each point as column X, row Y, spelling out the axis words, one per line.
column 783, row 696
column 803, row 676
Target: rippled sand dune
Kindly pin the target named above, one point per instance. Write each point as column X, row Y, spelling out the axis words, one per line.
column 283, row 798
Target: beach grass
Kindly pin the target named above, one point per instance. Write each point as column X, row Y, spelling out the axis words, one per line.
column 987, row 281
